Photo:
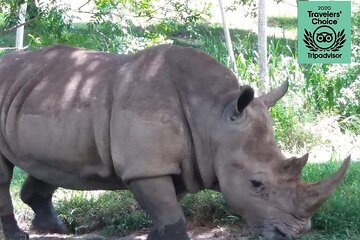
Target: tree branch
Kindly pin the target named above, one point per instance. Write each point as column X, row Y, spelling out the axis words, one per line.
column 13, row 48
column 3, row 31
column 79, row 8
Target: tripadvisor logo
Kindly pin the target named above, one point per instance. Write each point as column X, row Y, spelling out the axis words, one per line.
column 323, row 33
column 324, row 37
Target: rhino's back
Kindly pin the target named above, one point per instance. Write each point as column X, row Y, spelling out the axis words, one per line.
column 55, row 110
column 69, row 116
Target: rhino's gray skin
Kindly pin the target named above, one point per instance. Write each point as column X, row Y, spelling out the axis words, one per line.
column 162, row 122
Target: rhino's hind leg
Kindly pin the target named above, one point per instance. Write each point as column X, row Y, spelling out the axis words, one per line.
column 157, row 197
column 38, row 195
column 8, row 222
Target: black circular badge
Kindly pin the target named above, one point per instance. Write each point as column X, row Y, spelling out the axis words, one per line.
column 324, row 37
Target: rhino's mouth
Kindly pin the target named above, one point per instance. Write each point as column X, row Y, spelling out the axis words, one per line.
column 274, row 233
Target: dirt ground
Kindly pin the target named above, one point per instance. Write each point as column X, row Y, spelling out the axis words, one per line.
column 210, row 231
column 203, row 230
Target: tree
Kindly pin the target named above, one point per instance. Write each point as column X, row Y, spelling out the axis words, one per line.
column 35, row 11
column 20, row 29
column 262, row 47
column 228, row 40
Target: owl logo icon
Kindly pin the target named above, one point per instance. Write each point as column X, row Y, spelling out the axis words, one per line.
column 324, row 38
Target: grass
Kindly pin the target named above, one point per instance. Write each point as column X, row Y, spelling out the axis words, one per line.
column 341, row 213
column 116, row 212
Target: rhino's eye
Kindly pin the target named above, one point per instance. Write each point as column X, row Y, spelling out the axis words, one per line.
column 237, row 116
column 257, row 185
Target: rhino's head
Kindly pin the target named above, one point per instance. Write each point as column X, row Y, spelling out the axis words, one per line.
column 256, row 179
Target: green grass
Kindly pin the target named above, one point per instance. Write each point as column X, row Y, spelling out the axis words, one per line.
column 116, row 212
column 319, row 235
column 341, row 213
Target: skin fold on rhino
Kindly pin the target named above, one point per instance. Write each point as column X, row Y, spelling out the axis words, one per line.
column 162, row 122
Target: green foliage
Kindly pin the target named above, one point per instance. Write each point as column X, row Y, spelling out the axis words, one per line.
column 335, row 88
column 289, row 129
column 9, row 9
column 356, row 34
column 180, row 11
column 210, row 38
column 188, row 15
column 46, row 11
column 319, row 95
column 283, row 22
column 52, row 23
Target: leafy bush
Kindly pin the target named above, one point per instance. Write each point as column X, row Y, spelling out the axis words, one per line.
column 348, row 100
column 289, row 128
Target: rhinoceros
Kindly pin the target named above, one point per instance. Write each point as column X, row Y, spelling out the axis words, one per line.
column 163, row 122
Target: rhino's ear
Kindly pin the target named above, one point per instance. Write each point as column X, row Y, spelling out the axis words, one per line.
column 245, row 98
column 270, row 99
column 291, row 168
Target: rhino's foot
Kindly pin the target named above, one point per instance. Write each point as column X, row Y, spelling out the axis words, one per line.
column 175, row 231
column 46, row 220
column 156, row 236
column 11, row 230
column 48, row 224
column 18, row 235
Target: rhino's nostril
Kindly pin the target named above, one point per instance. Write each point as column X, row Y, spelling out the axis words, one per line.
column 280, row 234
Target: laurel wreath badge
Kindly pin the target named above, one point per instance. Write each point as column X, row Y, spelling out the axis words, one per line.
column 339, row 42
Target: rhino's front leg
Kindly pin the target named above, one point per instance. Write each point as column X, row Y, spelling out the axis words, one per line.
column 158, row 198
column 38, row 195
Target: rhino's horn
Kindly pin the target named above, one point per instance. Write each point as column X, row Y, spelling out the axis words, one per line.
column 270, row 99
column 291, row 168
column 314, row 194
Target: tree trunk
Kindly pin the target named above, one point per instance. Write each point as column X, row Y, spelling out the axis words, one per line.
column 262, row 47
column 20, row 30
column 228, row 40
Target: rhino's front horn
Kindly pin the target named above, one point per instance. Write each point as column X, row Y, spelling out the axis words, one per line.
column 314, row 194
column 270, row 99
